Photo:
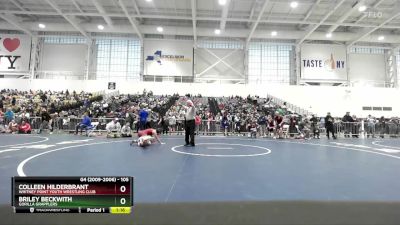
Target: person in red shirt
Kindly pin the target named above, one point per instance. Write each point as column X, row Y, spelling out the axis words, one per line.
column 197, row 122
column 147, row 137
column 25, row 128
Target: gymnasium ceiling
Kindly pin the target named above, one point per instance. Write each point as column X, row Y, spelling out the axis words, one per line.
column 247, row 20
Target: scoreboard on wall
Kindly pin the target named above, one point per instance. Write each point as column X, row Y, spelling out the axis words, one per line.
column 72, row 194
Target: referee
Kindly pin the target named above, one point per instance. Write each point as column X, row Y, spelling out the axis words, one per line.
column 189, row 123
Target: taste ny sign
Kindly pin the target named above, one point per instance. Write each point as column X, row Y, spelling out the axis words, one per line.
column 323, row 62
column 14, row 53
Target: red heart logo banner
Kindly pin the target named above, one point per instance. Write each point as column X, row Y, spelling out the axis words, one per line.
column 11, row 44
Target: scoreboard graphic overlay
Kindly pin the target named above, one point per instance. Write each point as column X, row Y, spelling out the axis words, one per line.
column 72, row 194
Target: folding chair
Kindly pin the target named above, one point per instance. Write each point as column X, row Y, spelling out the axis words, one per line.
column 285, row 130
column 90, row 129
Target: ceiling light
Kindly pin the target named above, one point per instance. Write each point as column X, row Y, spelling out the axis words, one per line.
column 217, row 31
column 328, row 35
column 100, row 27
column 149, row 0
column 294, row 4
column 42, row 26
column 160, row 29
column 222, row 2
column 274, row 33
column 362, row 8
column 381, row 38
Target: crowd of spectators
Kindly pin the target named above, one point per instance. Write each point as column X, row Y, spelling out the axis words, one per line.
column 23, row 111
column 173, row 120
column 122, row 113
column 19, row 109
column 350, row 125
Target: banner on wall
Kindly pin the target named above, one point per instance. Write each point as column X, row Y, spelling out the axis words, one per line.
column 323, row 62
column 15, row 53
column 168, row 58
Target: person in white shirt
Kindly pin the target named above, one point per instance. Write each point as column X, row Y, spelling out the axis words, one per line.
column 126, row 130
column 114, row 125
column 190, row 123
column 172, row 123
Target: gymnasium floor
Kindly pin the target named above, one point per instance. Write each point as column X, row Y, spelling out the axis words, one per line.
column 218, row 169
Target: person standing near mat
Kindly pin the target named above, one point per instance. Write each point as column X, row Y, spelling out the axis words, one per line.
column 190, row 123
column 329, row 125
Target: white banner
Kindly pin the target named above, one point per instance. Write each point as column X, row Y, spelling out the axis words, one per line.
column 168, row 58
column 323, row 62
column 15, row 51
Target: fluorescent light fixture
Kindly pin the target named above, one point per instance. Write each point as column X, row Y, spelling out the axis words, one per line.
column 222, row 2
column 100, row 27
column 42, row 26
column 217, row 31
column 274, row 33
column 328, row 35
column 160, row 29
column 294, row 4
column 381, row 38
column 362, row 8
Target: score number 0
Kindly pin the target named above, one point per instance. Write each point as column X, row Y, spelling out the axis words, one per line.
column 122, row 189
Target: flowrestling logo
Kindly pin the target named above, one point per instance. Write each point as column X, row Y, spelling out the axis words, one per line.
column 159, row 57
column 9, row 45
column 329, row 64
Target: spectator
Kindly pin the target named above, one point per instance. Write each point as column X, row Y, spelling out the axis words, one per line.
column 293, row 126
column 180, row 123
column 25, row 128
column 314, row 126
column 9, row 116
column 13, row 127
column 279, row 125
column 271, row 126
column 262, row 122
column 382, row 126
column 370, row 126
column 329, row 125
column 45, row 124
column 84, row 124
column 172, row 123
column 164, row 125
column 306, row 128
column 112, row 126
column 253, row 129
column 2, row 128
column 130, row 118
column 143, row 114
column 238, row 123
column 126, row 130
column 197, row 121
column 355, row 128
column 348, row 124
column 210, row 120
column 225, row 125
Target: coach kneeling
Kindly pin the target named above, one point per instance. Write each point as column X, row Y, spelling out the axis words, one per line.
column 189, row 123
